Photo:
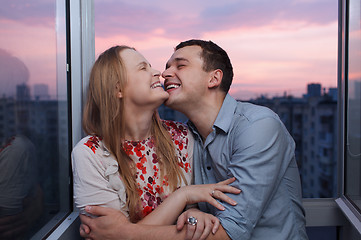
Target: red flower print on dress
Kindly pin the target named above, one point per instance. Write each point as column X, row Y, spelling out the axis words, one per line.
column 150, row 180
column 142, row 177
column 143, row 159
column 179, row 134
column 155, row 171
column 155, row 158
column 153, row 189
column 138, row 148
column 150, row 143
column 140, row 192
column 128, row 148
column 147, row 210
column 186, row 167
column 93, row 143
column 142, row 168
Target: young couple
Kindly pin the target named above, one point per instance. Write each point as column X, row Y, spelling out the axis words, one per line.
column 141, row 167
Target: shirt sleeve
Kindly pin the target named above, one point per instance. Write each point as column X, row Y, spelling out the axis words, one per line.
column 260, row 156
column 91, row 185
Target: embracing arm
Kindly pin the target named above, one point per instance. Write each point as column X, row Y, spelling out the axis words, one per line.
column 113, row 225
column 260, row 155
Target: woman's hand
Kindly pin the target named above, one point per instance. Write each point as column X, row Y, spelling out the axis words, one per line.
column 167, row 212
column 209, row 193
column 205, row 224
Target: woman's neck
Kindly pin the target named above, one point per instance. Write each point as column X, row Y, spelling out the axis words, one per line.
column 138, row 124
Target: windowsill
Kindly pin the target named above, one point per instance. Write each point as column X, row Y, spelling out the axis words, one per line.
column 67, row 229
column 320, row 212
column 349, row 211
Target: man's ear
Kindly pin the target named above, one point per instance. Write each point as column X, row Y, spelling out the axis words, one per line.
column 216, row 78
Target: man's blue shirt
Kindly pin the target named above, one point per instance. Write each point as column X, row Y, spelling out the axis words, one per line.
column 250, row 143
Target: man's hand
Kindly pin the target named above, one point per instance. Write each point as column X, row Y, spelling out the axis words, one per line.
column 110, row 224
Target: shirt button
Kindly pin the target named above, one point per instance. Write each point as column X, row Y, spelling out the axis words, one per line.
column 209, row 168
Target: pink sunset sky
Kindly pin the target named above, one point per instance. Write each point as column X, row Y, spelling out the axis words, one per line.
column 275, row 46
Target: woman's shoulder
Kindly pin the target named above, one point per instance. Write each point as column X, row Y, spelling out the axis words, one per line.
column 90, row 143
column 90, row 151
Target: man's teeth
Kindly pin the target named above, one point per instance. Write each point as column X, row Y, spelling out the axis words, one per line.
column 155, row 85
column 172, row 86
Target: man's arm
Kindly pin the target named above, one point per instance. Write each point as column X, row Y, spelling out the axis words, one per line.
column 104, row 226
column 259, row 156
column 113, row 225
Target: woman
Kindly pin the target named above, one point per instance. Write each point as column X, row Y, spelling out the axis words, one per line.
column 131, row 160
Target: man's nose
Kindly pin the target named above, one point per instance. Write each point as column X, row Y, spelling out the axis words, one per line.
column 166, row 73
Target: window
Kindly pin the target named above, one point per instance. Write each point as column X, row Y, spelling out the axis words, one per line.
column 353, row 111
column 320, row 212
column 262, row 75
column 350, row 112
column 34, row 149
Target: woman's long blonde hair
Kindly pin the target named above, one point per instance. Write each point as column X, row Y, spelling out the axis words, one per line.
column 103, row 116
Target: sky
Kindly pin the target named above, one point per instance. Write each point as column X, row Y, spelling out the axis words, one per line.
column 276, row 47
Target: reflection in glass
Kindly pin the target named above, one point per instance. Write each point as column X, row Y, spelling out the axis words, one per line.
column 353, row 137
column 31, row 131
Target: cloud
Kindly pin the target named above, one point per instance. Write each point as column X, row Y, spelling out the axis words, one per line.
column 126, row 18
column 35, row 12
column 191, row 19
column 258, row 13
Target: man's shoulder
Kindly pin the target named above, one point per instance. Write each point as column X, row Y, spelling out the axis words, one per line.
column 253, row 112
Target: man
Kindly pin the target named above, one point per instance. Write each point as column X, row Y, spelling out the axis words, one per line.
column 235, row 139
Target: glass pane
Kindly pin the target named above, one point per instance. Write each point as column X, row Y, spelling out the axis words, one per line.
column 284, row 56
column 353, row 137
column 34, row 178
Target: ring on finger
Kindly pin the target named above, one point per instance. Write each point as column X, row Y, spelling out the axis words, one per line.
column 212, row 193
column 192, row 221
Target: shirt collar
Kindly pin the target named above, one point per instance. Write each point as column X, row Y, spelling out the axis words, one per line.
column 224, row 117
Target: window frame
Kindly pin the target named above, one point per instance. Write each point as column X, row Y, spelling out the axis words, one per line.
column 344, row 203
column 80, row 58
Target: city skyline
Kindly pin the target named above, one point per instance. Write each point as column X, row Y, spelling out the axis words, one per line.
column 40, row 91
